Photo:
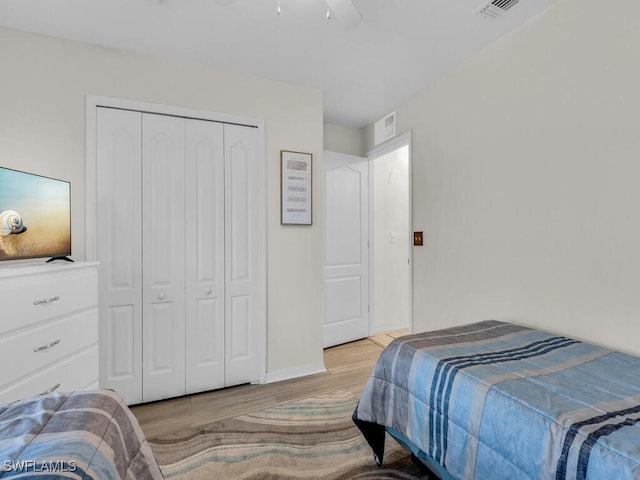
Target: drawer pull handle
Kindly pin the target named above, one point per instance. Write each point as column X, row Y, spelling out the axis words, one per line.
column 46, row 300
column 47, row 346
column 52, row 389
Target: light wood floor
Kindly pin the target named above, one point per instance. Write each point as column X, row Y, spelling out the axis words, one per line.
column 348, row 367
column 384, row 338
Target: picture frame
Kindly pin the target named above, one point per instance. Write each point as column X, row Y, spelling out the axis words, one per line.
column 296, row 188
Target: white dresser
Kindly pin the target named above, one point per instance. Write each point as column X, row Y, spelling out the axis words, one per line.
column 48, row 328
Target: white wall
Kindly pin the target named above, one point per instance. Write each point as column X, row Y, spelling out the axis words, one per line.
column 391, row 286
column 42, row 130
column 526, row 166
column 341, row 139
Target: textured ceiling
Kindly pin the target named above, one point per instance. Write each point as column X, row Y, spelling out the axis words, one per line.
column 364, row 72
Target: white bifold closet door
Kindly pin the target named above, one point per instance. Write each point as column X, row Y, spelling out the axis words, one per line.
column 204, row 224
column 163, row 257
column 242, row 258
column 119, row 250
column 179, row 282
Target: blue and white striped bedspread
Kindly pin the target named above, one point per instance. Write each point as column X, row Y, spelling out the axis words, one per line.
column 493, row 400
column 89, row 435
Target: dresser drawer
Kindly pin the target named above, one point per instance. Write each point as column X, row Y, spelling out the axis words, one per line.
column 74, row 373
column 28, row 300
column 47, row 343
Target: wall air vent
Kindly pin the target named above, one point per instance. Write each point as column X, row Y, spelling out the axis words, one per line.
column 384, row 129
column 495, row 8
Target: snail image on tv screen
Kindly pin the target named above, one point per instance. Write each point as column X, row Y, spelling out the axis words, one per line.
column 11, row 223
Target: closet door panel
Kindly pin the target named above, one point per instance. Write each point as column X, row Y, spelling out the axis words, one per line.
column 160, row 332
column 119, row 250
column 242, row 283
column 204, row 157
column 164, row 232
column 240, row 325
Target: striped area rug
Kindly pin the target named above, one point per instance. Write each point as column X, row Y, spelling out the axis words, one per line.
column 307, row 439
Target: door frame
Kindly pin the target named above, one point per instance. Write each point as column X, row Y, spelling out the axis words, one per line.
column 377, row 152
column 92, row 102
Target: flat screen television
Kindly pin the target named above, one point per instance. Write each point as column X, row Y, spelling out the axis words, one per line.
column 35, row 216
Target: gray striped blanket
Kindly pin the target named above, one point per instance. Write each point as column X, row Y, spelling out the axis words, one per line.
column 85, row 434
column 493, row 400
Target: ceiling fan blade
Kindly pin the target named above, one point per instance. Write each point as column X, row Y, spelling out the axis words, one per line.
column 345, row 12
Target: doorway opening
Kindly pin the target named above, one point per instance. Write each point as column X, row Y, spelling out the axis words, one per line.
column 391, row 252
column 367, row 243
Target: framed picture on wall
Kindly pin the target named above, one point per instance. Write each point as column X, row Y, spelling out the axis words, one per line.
column 295, row 188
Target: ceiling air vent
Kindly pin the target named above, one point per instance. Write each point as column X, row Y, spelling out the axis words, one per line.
column 385, row 128
column 495, row 8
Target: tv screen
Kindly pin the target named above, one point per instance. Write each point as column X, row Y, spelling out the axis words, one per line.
column 35, row 216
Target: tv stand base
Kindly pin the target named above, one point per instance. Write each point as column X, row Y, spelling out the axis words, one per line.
column 66, row 259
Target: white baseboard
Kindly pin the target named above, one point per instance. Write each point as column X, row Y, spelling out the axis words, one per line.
column 295, row 372
column 389, row 327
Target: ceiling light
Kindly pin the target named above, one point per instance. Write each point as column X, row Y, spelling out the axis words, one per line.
column 279, row 10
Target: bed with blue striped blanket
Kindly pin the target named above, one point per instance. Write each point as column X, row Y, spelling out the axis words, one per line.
column 494, row 400
column 89, row 435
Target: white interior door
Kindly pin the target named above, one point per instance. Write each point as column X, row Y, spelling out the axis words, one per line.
column 163, row 257
column 346, row 258
column 204, row 220
column 119, row 250
column 243, row 294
